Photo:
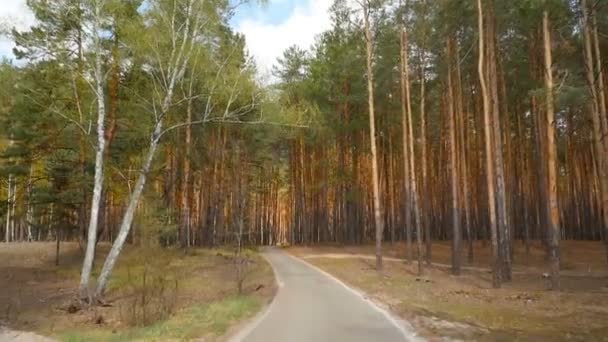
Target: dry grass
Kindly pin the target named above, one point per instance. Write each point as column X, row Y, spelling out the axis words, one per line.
column 35, row 293
column 439, row 304
column 577, row 257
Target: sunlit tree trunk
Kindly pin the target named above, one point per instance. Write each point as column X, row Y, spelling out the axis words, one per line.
column 408, row 146
column 379, row 219
column 405, row 110
column 499, row 168
column 488, row 146
column 554, row 229
column 598, row 109
column 424, row 193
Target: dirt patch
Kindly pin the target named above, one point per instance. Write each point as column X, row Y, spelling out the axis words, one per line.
column 31, row 283
column 466, row 307
column 13, row 335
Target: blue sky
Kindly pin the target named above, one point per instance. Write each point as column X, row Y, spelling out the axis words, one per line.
column 269, row 29
column 274, row 12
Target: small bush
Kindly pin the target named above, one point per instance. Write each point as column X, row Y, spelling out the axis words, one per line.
column 152, row 296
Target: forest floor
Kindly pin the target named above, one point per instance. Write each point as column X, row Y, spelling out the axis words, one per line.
column 467, row 307
column 155, row 294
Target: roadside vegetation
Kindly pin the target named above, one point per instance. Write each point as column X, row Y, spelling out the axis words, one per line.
column 156, row 293
column 440, row 305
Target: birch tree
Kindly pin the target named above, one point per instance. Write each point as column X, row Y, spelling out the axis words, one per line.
column 177, row 32
column 99, row 91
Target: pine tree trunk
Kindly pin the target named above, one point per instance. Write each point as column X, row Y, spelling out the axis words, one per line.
column 455, row 205
column 30, row 207
column 461, row 126
column 379, row 219
column 603, row 118
column 488, row 147
column 9, row 203
column 501, row 207
column 424, row 203
column 186, row 186
column 554, row 229
column 408, row 148
column 405, row 108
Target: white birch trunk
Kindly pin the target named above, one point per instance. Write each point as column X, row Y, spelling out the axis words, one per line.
column 175, row 69
column 125, row 226
column 87, row 265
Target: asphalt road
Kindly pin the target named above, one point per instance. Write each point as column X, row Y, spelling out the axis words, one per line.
column 313, row 306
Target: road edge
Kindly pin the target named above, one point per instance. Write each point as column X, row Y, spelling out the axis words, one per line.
column 402, row 325
column 249, row 325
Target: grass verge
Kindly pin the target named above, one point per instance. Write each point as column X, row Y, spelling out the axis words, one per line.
column 208, row 321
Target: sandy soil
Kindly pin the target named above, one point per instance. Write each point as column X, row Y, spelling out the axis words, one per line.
column 21, row 336
column 31, row 283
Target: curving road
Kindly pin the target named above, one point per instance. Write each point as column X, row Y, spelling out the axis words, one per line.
column 313, row 306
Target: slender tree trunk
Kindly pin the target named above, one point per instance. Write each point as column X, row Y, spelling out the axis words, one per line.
column 87, row 265
column 600, row 117
column 391, row 188
column 405, row 108
column 125, row 226
column 456, row 236
column 501, row 207
column 30, row 207
column 57, row 244
column 554, row 229
column 488, row 147
column 10, row 198
column 186, row 186
column 424, row 202
column 379, row 219
column 462, row 125
column 408, row 147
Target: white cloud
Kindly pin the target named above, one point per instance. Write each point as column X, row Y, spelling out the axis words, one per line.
column 267, row 41
column 13, row 13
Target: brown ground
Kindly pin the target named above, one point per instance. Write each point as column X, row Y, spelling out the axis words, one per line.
column 439, row 304
column 35, row 293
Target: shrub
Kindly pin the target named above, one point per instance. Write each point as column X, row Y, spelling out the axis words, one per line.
column 151, row 296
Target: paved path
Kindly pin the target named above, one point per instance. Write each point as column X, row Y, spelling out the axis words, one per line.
column 312, row 306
